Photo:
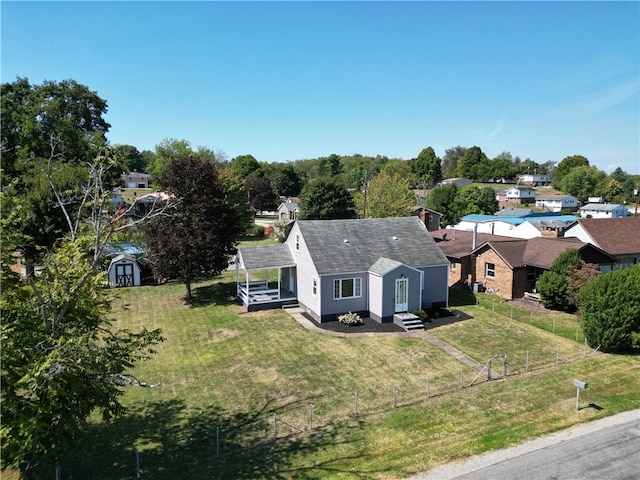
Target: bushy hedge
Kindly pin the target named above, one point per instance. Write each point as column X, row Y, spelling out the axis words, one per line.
column 610, row 310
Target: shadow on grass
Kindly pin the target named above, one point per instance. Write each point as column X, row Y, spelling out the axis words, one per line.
column 218, row 293
column 174, row 442
column 459, row 297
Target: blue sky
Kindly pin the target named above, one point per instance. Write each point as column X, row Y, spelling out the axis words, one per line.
column 293, row 80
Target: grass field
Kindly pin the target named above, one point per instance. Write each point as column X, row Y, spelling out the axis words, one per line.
column 224, row 373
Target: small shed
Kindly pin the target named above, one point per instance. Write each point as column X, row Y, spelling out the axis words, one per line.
column 124, row 271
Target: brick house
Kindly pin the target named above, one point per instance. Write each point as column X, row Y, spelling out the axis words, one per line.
column 509, row 265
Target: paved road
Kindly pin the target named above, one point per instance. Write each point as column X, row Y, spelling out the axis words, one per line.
column 607, row 449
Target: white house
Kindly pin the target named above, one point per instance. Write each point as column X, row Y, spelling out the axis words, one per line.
column 535, row 179
column 556, row 202
column 603, row 210
column 517, row 195
column 124, row 271
column 619, row 237
column 458, row 182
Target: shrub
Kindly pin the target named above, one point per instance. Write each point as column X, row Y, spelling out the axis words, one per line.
column 422, row 315
column 610, row 310
column 350, row 319
column 256, row 231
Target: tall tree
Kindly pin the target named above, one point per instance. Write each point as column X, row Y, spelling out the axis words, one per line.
column 427, row 168
column 245, row 166
column 56, row 126
column 330, row 166
column 284, row 178
column 200, row 235
column 261, row 194
column 132, row 159
column 450, row 160
column 468, row 163
column 325, row 199
column 167, row 151
column 473, row 199
column 565, row 166
column 61, row 356
column 441, row 199
column 400, row 168
column 583, row 182
column 389, row 196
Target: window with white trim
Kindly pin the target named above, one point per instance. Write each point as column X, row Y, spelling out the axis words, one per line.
column 490, row 270
column 452, row 265
column 297, row 243
column 314, row 287
column 347, row 288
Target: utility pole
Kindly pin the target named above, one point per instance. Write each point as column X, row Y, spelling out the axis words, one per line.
column 364, row 208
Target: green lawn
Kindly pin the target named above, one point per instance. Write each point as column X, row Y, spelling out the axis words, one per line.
column 221, row 368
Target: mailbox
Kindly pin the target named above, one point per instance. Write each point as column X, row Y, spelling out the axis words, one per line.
column 580, row 384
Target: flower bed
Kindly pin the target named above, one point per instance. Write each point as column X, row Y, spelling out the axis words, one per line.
column 350, row 319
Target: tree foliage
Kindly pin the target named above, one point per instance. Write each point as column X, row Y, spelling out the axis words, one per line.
column 389, row 196
column 198, row 238
column 427, row 168
column 245, row 166
column 553, row 284
column 565, row 166
column 450, row 160
column 441, row 199
column 57, row 127
column 325, row 199
column 473, row 199
column 610, row 310
column 61, row 356
column 261, row 195
column 583, row 182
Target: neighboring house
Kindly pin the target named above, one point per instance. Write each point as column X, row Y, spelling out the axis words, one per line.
column 124, row 271
column 289, row 210
column 603, row 210
column 137, row 180
column 541, row 228
column 556, row 203
column 535, row 180
column 517, row 195
column 375, row 267
column 507, row 225
column 511, row 266
column 429, row 217
column 514, row 212
column 147, row 203
column 458, row 182
column 619, row 237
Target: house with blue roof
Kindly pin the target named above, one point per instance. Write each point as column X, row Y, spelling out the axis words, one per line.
column 512, row 225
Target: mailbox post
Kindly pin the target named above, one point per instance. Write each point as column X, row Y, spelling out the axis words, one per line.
column 580, row 385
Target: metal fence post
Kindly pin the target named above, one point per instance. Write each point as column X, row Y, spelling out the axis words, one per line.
column 427, row 386
column 137, row 463
column 504, row 366
column 355, row 405
column 218, row 441
column 310, row 416
column 461, row 378
column 395, row 389
column 275, row 427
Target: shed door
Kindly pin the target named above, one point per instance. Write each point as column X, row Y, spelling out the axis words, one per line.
column 402, row 298
column 124, row 275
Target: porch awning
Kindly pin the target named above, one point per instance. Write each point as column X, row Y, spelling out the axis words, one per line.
column 265, row 256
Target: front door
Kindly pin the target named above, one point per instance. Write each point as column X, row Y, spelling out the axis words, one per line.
column 402, row 297
column 124, row 275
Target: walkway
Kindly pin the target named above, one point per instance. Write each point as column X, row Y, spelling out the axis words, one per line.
column 297, row 314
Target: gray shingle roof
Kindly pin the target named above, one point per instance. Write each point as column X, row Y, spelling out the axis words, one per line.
column 338, row 246
column 265, row 256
